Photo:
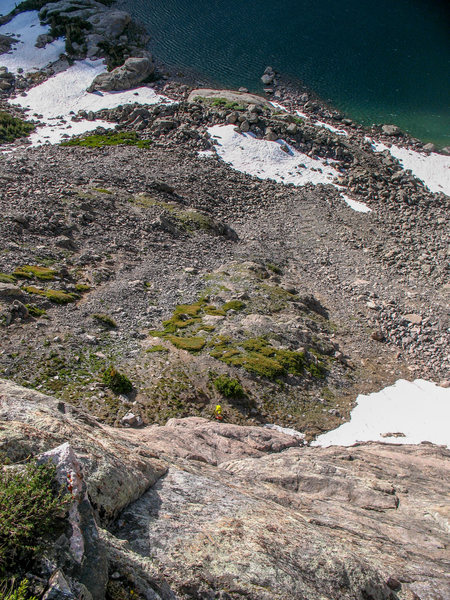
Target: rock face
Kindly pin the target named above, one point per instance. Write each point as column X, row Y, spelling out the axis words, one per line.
column 234, row 512
column 133, row 72
column 88, row 564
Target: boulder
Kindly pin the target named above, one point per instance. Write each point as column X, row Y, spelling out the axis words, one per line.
column 133, row 72
column 9, row 290
column 229, row 96
column 391, row 130
column 268, row 76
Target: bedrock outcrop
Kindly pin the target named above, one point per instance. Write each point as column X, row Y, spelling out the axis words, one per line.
column 247, row 512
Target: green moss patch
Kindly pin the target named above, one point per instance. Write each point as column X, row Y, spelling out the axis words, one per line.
column 12, row 128
column 233, row 305
column 110, row 138
column 191, row 344
column 56, row 296
column 4, row 278
column 34, row 311
column 31, row 271
column 260, row 357
column 105, row 320
column 158, row 348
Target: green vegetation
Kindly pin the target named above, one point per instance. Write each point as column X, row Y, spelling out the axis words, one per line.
column 274, row 268
column 258, row 356
column 110, row 138
column 233, row 305
column 82, row 287
column 116, row 381
column 17, row 593
column 191, row 344
column 56, row 296
column 187, row 315
column 228, row 387
column 102, row 191
column 30, row 271
column 158, row 348
column 12, row 128
column 34, row 311
column 30, row 507
column 4, row 278
column 104, row 319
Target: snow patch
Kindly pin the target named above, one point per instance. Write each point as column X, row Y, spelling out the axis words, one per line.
column 26, row 28
column 65, row 93
column 414, row 411
column 206, row 154
column 268, row 160
column 432, row 169
column 358, row 206
column 286, row 430
column 330, row 128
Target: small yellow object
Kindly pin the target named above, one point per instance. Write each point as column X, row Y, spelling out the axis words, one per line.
column 218, row 410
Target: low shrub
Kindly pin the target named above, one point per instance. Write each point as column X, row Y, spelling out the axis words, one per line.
column 116, row 381
column 228, row 387
column 12, row 128
column 31, row 503
column 12, row 592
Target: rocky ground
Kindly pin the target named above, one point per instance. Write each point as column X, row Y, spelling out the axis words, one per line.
column 358, row 300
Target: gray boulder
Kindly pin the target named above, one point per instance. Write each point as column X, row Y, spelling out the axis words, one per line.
column 133, row 72
column 268, row 76
column 391, row 130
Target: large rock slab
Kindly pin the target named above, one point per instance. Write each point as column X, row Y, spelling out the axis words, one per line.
column 133, row 72
column 311, row 523
column 230, row 96
column 212, row 442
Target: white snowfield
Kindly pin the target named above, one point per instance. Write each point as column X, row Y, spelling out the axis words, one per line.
column 65, row 92
column 417, row 410
column 6, row 6
column 432, row 169
column 26, row 28
column 267, row 160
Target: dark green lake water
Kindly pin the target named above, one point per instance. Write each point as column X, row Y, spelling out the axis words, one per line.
column 382, row 61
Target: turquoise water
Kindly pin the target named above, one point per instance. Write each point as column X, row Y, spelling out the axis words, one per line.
column 383, row 61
